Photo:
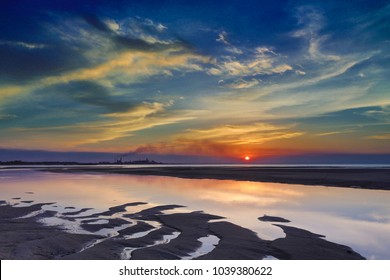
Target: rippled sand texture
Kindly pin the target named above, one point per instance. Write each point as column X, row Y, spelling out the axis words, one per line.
column 138, row 231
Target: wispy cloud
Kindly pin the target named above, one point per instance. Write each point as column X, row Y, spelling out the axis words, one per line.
column 115, row 53
column 30, row 46
column 380, row 137
column 239, row 84
column 111, row 126
column 258, row 62
column 229, row 47
column 298, row 98
column 242, row 134
column 252, row 66
column 315, row 50
column 10, row 91
column 7, row 116
column 245, row 65
column 382, row 114
column 147, row 30
column 312, row 21
column 333, row 133
column 222, row 37
column 125, row 68
column 130, row 65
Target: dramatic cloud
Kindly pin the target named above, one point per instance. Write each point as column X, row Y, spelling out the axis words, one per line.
column 257, row 62
column 256, row 133
column 109, row 57
column 111, row 126
column 195, row 79
column 131, row 34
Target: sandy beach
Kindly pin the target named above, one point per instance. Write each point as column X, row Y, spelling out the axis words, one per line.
column 354, row 177
column 153, row 234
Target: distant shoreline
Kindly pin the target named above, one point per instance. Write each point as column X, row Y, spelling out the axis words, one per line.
column 21, row 163
column 367, row 178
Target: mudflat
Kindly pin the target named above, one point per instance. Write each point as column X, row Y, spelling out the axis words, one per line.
column 353, row 177
column 152, row 234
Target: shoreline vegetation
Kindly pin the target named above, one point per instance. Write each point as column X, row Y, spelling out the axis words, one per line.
column 377, row 178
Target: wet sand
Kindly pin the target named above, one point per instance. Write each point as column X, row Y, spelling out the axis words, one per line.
column 267, row 218
column 152, row 234
column 355, row 177
column 27, row 239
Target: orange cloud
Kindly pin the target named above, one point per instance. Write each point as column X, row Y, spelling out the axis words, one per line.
column 209, row 148
column 111, row 127
column 242, row 134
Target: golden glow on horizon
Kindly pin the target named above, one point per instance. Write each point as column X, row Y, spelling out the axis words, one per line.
column 247, row 158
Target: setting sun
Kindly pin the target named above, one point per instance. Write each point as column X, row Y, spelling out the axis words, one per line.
column 247, row 158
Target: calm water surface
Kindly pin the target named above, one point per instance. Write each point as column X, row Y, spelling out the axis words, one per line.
column 353, row 217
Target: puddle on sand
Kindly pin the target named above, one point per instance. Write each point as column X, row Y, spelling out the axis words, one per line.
column 156, row 225
column 98, row 222
column 126, row 254
column 269, row 258
column 209, row 242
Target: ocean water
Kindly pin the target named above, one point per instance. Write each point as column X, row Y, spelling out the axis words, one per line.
column 354, row 217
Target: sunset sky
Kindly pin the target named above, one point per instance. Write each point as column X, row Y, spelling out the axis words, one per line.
column 215, row 79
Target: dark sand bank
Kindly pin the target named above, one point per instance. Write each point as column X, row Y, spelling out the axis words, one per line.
column 368, row 178
column 275, row 219
column 152, row 234
column 25, row 238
